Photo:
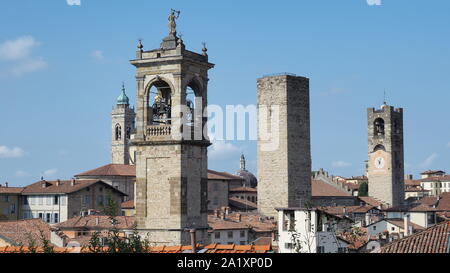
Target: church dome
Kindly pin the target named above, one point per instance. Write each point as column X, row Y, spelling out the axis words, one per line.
column 123, row 98
column 250, row 179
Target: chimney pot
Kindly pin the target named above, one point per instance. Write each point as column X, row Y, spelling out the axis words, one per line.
column 58, row 182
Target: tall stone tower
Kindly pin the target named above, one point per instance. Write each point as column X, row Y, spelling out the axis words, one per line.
column 122, row 127
column 284, row 152
column 171, row 149
column 385, row 162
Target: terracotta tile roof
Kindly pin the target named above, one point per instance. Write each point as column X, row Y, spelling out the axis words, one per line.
column 128, row 204
column 263, row 241
column 432, row 172
column 212, row 248
column 411, row 207
column 436, row 178
column 356, row 238
column 409, row 182
column 19, row 232
column 428, row 200
column 239, row 203
column 96, row 222
column 320, row 188
column 352, row 186
column 444, row 201
column 339, row 210
column 432, row 240
column 111, row 170
column 10, row 190
column 253, row 221
column 214, row 175
column 371, row 201
column 65, row 186
column 243, row 189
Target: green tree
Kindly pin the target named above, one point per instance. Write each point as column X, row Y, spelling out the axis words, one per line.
column 363, row 189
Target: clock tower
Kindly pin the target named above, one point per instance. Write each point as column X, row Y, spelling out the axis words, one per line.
column 385, row 162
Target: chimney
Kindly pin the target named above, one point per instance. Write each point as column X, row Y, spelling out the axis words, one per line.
column 44, row 184
column 193, row 241
column 58, row 183
column 216, row 213
column 344, row 209
column 6, row 184
column 97, row 221
column 238, row 217
column 406, row 224
column 222, row 215
column 72, row 183
column 227, row 210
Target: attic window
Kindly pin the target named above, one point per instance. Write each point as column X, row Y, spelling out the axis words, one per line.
column 88, row 189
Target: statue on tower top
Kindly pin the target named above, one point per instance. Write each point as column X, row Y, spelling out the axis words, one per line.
column 174, row 14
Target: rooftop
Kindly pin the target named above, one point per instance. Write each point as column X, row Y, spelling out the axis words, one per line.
column 111, row 170
column 97, row 222
column 22, row 232
column 432, row 240
column 62, row 186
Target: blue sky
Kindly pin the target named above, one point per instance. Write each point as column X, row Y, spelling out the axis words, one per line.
column 58, row 90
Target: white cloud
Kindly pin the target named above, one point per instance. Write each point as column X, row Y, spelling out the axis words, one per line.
column 21, row 173
column 28, row 66
column 50, row 173
column 374, row 2
column 97, row 54
column 340, row 164
column 73, row 2
column 15, row 152
column 19, row 53
column 429, row 160
column 17, row 49
column 223, row 150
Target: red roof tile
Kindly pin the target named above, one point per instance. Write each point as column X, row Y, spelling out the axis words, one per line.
column 432, row 240
column 320, row 188
column 111, row 170
column 214, row 175
column 22, row 231
column 97, row 222
column 10, row 190
column 65, row 186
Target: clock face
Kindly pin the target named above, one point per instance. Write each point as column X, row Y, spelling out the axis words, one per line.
column 379, row 162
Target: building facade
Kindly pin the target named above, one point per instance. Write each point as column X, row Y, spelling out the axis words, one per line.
column 385, row 153
column 284, row 153
column 9, row 202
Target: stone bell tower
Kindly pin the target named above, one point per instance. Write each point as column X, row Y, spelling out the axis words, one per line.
column 171, row 149
column 122, row 118
column 385, row 154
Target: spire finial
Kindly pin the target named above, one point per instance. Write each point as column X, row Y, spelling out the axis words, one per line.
column 242, row 162
column 204, row 49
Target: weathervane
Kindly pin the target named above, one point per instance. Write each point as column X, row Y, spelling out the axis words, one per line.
column 174, row 14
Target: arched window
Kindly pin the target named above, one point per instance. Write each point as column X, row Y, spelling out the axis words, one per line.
column 118, row 132
column 159, row 103
column 379, row 147
column 378, row 125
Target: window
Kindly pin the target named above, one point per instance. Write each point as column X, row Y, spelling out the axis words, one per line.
column 87, row 199
column 374, row 228
column 12, row 209
column 430, row 219
column 342, row 250
column 217, row 235
column 242, row 242
column 392, row 228
column 32, row 200
column 230, row 243
column 25, row 200
column 63, row 200
column 320, row 249
column 378, row 125
column 118, row 132
column 230, row 234
column 48, row 217
column 6, row 198
column 242, row 233
column 56, row 217
column 100, row 200
column 41, row 215
column 288, row 245
column 40, row 200
column 55, row 200
column 48, row 200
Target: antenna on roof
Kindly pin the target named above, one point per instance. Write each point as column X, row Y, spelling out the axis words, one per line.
column 384, row 97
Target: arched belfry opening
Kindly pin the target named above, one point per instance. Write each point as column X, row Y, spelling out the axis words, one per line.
column 118, row 132
column 379, row 147
column 194, row 103
column 378, row 126
column 159, row 103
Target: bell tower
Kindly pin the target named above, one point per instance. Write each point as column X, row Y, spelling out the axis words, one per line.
column 122, row 118
column 171, row 147
column 385, row 161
